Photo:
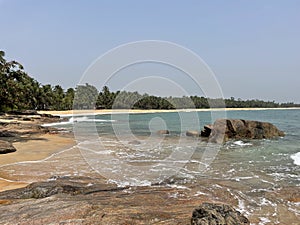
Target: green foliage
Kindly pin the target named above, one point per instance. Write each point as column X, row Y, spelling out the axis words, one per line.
column 18, row 91
column 85, row 97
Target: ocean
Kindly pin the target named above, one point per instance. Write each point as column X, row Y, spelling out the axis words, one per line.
column 260, row 177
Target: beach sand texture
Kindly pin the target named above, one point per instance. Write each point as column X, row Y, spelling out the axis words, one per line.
column 38, row 148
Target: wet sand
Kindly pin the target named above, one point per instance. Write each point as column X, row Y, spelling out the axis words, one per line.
column 37, row 148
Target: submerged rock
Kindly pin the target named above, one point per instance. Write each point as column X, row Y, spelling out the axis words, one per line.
column 213, row 214
column 192, row 133
column 163, row 132
column 6, row 147
column 224, row 129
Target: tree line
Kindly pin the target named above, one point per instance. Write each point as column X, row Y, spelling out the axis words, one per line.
column 19, row 91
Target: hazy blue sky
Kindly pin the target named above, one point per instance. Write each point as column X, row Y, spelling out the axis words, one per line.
column 252, row 46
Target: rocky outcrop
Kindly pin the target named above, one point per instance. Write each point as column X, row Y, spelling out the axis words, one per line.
column 59, row 185
column 86, row 200
column 16, row 129
column 19, row 126
column 6, row 147
column 213, row 214
column 224, row 129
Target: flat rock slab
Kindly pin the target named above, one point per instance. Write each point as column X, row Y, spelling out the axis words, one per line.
column 84, row 200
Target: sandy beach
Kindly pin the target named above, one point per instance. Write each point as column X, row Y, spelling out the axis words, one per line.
column 37, row 148
column 116, row 111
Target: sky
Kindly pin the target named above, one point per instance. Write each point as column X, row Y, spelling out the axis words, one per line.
column 253, row 47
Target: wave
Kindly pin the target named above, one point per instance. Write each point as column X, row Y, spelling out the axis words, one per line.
column 77, row 120
column 296, row 158
column 241, row 143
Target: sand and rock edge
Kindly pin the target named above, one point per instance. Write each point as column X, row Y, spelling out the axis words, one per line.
column 83, row 200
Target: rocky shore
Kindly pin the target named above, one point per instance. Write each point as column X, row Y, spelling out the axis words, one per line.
column 93, row 200
column 22, row 126
column 83, row 200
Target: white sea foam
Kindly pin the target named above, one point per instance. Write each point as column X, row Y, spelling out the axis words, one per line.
column 77, row 120
column 200, row 193
column 264, row 220
column 177, row 186
column 241, row 143
column 58, row 124
column 131, row 182
column 296, row 158
column 242, row 178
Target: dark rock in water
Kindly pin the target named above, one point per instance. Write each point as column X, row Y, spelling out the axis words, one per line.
column 6, row 147
column 163, row 132
column 206, row 131
column 215, row 214
column 192, row 133
column 224, row 129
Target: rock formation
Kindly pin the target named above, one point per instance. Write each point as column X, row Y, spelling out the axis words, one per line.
column 6, row 147
column 213, row 214
column 16, row 126
column 85, row 200
column 224, row 129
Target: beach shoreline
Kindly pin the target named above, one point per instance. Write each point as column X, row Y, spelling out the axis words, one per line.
column 132, row 111
column 52, row 158
column 38, row 148
column 32, row 143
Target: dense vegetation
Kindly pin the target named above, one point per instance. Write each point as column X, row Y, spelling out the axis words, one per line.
column 18, row 91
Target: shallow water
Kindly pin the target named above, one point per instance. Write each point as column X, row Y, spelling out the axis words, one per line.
column 260, row 177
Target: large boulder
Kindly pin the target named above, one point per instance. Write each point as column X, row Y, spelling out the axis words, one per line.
column 213, row 214
column 6, row 147
column 224, row 129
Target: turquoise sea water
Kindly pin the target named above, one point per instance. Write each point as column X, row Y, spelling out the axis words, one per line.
column 277, row 157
